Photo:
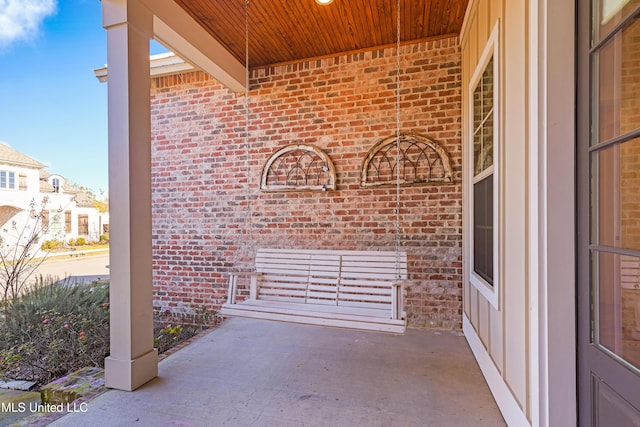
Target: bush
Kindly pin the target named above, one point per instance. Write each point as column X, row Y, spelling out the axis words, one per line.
column 171, row 329
column 60, row 327
column 48, row 245
column 104, row 238
column 54, row 329
column 81, row 241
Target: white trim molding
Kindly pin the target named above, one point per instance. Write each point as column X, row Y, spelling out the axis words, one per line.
column 511, row 411
column 162, row 64
column 491, row 51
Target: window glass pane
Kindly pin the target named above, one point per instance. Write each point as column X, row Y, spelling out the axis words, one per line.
column 3, row 179
column 12, row 180
column 483, row 146
column 487, row 88
column 483, row 121
column 487, row 155
column 617, row 281
column 609, row 13
column 618, row 84
column 483, row 228
column 477, row 107
column 477, row 152
column 615, row 198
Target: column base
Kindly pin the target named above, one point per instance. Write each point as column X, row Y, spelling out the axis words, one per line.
column 128, row 375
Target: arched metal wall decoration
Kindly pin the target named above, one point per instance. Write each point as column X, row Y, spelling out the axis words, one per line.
column 298, row 167
column 422, row 161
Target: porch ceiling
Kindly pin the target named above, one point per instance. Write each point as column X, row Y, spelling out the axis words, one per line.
column 282, row 31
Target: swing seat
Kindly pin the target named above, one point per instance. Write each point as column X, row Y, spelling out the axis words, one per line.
column 339, row 288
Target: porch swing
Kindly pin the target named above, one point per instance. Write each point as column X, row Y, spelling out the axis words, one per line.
column 339, row 288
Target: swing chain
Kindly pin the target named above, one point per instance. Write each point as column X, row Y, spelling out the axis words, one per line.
column 248, row 213
column 398, row 136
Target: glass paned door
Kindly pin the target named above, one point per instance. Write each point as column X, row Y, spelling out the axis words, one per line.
column 609, row 212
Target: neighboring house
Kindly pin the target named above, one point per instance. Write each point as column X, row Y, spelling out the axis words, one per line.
column 26, row 186
column 543, row 255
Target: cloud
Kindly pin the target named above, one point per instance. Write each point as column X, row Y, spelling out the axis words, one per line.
column 22, row 19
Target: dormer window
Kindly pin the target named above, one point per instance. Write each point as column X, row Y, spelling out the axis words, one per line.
column 55, row 183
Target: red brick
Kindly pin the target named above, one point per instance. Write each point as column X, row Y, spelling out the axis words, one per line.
column 343, row 105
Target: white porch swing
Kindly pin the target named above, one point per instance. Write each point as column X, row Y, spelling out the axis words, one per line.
column 338, row 288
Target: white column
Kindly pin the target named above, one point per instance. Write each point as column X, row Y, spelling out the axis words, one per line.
column 552, row 212
column 133, row 360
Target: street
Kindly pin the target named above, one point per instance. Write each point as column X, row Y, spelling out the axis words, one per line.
column 84, row 268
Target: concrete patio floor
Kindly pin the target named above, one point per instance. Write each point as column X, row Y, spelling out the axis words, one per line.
column 261, row 373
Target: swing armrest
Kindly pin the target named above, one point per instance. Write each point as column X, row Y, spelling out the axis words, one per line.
column 397, row 300
column 233, row 284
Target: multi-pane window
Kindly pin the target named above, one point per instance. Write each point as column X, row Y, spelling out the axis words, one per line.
column 7, row 180
column 55, row 224
column 614, row 180
column 483, row 176
column 483, row 173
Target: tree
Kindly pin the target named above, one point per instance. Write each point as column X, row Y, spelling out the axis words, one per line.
column 20, row 251
column 101, row 206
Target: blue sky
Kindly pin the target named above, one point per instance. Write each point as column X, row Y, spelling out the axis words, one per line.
column 52, row 107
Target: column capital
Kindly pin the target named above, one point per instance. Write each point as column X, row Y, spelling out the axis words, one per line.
column 130, row 12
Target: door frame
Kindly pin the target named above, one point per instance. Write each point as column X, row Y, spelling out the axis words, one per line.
column 583, row 134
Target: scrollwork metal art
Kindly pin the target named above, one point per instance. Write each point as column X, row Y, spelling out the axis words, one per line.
column 298, row 167
column 422, row 161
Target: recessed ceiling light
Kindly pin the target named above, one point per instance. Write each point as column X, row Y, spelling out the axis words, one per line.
column 324, row 2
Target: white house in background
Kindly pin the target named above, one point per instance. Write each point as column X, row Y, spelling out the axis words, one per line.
column 25, row 185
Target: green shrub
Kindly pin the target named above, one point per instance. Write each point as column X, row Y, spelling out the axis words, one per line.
column 104, row 238
column 60, row 327
column 55, row 329
column 72, row 242
column 81, row 241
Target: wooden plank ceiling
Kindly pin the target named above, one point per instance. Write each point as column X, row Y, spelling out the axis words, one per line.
column 284, row 31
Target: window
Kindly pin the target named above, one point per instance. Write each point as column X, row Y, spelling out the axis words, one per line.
column 55, row 223
column 614, row 182
column 7, row 180
column 55, row 183
column 483, row 173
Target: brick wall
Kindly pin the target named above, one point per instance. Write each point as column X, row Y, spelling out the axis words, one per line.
column 209, row 213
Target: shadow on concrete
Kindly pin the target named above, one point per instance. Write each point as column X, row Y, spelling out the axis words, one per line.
column 259, row 373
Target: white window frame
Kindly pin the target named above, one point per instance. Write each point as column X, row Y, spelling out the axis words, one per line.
column 7, row 173
column 491, row 50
